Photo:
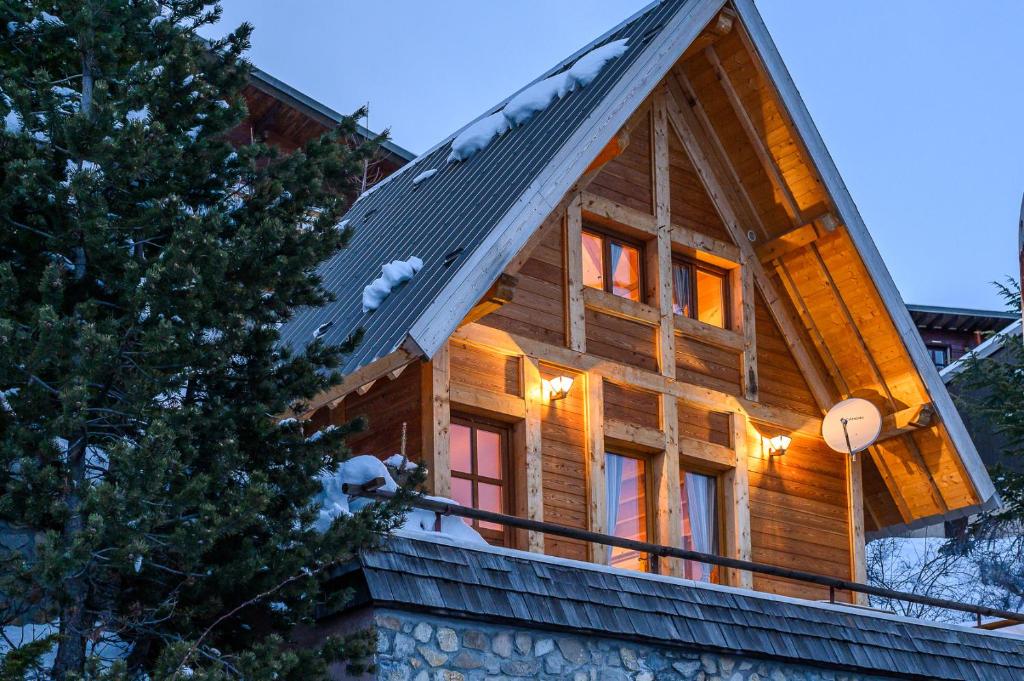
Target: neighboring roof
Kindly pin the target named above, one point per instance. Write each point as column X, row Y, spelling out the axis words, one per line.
column 481, row 211
column 959, row 319
column 986, row 349
column 502, row 585
column 317, row 110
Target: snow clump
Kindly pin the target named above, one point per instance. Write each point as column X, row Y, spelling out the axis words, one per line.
column 425, row 175
column 392, row 274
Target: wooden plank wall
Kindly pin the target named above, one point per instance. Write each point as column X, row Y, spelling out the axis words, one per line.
column 387, row 405
column 627, row 179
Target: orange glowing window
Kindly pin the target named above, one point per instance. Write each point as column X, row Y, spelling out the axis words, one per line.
column 479, row 454
column 627, row 508
column 701, row 292
column 612, row 264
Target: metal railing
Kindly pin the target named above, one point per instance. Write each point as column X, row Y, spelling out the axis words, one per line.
column 371, row 490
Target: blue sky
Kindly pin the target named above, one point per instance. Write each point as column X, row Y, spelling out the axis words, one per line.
column 919, row 102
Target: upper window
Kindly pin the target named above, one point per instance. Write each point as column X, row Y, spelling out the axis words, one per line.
column 479, row 455
column 701, row 292
column 612, row 264
column 939, row 355
column 627, row 508
column 700, row 529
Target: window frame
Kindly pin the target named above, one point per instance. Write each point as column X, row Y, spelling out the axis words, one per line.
column 946, row 352
column 504, row 536
column 694, row 265
column 607, row 238
column 648, row 488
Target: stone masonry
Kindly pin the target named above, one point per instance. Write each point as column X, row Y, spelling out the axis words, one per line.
column 413, row 647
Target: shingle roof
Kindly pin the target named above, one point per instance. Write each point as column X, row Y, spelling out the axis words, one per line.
column 454, row 212
column 502, row 585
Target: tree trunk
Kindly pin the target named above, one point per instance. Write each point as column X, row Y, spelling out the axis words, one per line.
column 74, row 621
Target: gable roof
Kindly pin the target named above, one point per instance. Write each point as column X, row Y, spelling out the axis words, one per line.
column 485, row 208
column 987, row 349
column 503, row 585
column 471, row 218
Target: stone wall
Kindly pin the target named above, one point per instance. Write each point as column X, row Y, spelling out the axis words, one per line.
column 414, row 647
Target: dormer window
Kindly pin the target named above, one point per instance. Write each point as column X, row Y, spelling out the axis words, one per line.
column 612, row 264
column 700, row 291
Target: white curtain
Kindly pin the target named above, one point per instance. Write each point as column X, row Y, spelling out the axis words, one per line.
column 700, row 500
column 613, row 483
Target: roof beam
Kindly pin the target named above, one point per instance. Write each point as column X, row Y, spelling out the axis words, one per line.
column 501, row 292
column 907, row 421
column 797, row 237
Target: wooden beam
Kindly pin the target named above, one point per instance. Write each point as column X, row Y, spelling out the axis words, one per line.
column 597, row 510
column 705, row 333
column 435, row 402
column 771, row 168
column 473, row 399
column 736, row 500
column 907, row 421
column 685, row 127
column 669, row 503
column 706, row 454
column 660, row 257
column 500, row 292
column 575, row 314
column 704, row 247
column 365, row 387
column 797, row 237
column 606, row 210
column 617, row 306
column 642, row 437
column 616, row 145
column 720, row 26
column 745, row 315
column 639, row 379
column 532, row 484
column 332, row 397
column 855, row 507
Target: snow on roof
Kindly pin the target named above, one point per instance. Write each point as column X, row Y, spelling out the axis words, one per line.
column 986, row 349
column 392, row 274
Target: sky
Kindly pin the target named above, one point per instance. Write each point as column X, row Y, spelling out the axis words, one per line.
column 920, row 103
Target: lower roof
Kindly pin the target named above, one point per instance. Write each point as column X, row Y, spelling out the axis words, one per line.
column 959, row 318
column 502, row 585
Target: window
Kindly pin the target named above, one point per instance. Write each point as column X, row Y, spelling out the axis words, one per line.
column 700, row 530
column 612, row 264
column 479, row 456
column 627, row 508
column 939, row 355
column 701, row 292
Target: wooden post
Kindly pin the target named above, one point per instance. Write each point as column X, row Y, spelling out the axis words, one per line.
column 668, row 503
column 855, row 504
column 596, row 482
column 744, row 321
column 659, row 267
column 532, row 489
column 737, row 503
column 575, row 314
column 436, row 405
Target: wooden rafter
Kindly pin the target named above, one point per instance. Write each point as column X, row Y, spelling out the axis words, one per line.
column 502, row 291
column 797, row 237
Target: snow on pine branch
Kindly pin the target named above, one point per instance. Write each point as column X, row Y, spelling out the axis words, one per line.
column 392, row 274
column 359, row 470
column 534, row 99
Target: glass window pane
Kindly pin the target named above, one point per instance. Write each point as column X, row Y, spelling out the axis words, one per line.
column 488, row 454
column 681, row 294
column 711, row 298
column 461, row 453
column 462, row 492
column 490, row 500
column 593, row 261
column 699, row 521
column 625, row 271
column 627, row 507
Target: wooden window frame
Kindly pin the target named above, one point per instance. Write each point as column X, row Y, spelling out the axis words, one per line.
column 607, row 237
column 649, row 509
column 695, row 265
column 720, row 515
column 503, row 537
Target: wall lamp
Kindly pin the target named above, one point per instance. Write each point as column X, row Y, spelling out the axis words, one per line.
column 557, row 388
column 778, row 445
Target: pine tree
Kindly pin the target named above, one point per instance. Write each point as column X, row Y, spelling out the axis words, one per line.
column 145, row 266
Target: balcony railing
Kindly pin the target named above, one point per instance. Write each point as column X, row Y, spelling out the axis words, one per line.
column 371, row 490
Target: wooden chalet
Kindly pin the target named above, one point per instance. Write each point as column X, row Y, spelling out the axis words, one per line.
column 624, row 300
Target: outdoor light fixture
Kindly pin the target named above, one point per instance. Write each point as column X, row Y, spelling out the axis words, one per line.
column 778, row 445
column 557, row 388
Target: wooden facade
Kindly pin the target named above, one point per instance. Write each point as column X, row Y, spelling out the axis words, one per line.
column 712, row 168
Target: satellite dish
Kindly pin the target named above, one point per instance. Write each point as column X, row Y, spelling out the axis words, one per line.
column 851, row 426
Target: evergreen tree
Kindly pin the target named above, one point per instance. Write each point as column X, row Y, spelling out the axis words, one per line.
column 145, row 265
